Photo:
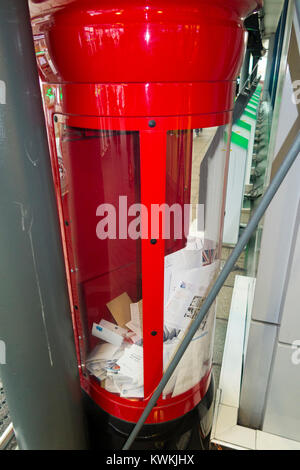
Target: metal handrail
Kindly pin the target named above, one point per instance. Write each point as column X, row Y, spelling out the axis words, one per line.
column 6, row 437
column 264, row 203
column 249, row 76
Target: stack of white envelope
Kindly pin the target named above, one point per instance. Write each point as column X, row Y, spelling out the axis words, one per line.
column 118, row 361
column 120, row 368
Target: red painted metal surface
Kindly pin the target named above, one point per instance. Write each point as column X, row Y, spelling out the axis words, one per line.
column 146, row 41
column 107, row 68
column 153, row 191
column 148, row 99
column 165, row 410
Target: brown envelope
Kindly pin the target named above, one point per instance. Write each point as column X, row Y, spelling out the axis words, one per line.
column 119, row 307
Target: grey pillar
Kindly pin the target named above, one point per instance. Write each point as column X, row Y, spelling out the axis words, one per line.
column 40, row 376
column 245, row 69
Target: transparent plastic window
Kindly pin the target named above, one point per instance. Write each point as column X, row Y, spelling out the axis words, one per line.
column 117, row 360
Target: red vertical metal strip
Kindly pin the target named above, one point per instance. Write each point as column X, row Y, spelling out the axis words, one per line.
column 153, row 191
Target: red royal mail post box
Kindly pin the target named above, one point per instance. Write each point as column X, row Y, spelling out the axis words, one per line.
column 127, row 86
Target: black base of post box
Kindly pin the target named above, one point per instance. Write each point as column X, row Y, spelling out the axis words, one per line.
column 190, row 432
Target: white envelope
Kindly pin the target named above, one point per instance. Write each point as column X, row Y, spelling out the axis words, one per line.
column 109, row 332
column 102, row 352
column 131, row 363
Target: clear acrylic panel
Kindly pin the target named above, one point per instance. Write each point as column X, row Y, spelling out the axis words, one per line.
column 100, row 191
column 191, row 269
column 100, row 179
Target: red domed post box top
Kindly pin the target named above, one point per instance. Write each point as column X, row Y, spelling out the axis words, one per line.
column 117, row 77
